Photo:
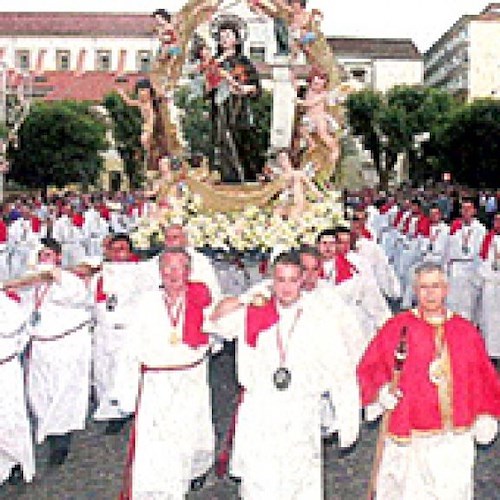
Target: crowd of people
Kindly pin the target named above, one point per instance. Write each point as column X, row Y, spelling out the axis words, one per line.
column 318, row 345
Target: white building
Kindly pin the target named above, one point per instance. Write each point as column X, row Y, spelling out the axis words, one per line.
column 379, row 63
column 466, row 59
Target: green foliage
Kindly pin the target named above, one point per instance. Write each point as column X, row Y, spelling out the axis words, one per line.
column 4, row 131
column 390, row 123
column 58, row 144
column 471, row 144
column 127, row 123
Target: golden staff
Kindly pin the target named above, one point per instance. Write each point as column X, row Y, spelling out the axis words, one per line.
column 400, row 355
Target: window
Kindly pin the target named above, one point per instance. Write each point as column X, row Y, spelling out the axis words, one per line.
column 144, row 61
column 63, row 60
column 103, row 60
column 23, row 60
column 359, row 74
column 258, row 53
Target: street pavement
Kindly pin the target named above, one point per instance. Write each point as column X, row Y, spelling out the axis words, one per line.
column 94, row 469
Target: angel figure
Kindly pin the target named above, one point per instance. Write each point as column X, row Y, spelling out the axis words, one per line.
column 296, row 183
column 317, row 119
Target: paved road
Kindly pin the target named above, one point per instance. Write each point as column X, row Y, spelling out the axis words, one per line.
column 93, row 471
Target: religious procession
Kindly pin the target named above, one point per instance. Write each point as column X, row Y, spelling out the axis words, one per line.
column 238, row 320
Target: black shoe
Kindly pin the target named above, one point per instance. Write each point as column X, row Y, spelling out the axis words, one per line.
column 16, row 475
column 59, row 449
column 198, row 482
column 58, row 457
column 115, row 426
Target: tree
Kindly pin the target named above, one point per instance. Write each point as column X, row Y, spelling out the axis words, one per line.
column 127, row 124
column 471, row 144
column 390, row 124
column 58, row 144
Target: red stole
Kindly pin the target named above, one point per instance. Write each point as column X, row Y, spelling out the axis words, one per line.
column 424, row 226
column 456, row 225
column 197, row 298
column 475, row 382
column 344, row 270
column 366, row 234
column 398, row 218
column 78, row 220
column 258, row 319
column 485, row 247
column 36, row 224
column 3, row 232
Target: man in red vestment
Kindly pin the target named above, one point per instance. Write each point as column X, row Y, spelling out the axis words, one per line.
column 447, row 396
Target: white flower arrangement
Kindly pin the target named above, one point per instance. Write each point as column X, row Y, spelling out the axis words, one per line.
column 253, row 229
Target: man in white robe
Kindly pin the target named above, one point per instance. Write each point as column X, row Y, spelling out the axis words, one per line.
column 489, row 276
column 173, row 437
column 94, row 229
column 287, row 357
column 114, row 377
column 464, row 246
column 353, row 278
column 59, row 358
column 16, row 445
column 70, row 237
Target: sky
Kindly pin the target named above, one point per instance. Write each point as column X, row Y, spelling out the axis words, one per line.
column 424, row 21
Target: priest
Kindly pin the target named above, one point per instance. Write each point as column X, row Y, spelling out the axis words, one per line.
column 443, row 396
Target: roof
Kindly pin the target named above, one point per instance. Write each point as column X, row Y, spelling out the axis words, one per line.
column 76, row 24
column 490, row 13
column 374, row 48
column 89, row 86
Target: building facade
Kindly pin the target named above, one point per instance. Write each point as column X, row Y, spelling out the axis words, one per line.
column 378, row 63
column 466, row 59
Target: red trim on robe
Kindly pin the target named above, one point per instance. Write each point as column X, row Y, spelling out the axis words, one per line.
column 344, row 270
column 258, row 319
column 100, row 296
column 475, row 382
column 486, row 245
column 13, row 295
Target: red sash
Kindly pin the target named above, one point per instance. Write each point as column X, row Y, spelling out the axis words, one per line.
column 258, row 319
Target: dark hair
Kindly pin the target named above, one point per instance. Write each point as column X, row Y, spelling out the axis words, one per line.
column 229, row 24
column 121, row 237
column 290, row 258
column 52, row 244
column 309, row 250
column 326, row 232
column 162, row 13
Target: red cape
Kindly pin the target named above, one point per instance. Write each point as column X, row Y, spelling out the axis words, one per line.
column 475, row 382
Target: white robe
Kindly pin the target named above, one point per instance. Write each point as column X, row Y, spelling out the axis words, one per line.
column 463, row 294
column 114, row 376
column 59, row 368
column 489, row 314
column 16, row 444
column 71, row 239
column 428, row 468
column 385, row 276
column 277, row 444
column 174, row 437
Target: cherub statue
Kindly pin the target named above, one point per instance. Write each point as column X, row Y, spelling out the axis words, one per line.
column 317, row 119
column 300, row 20
column 296, row 183
column 145, row 103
